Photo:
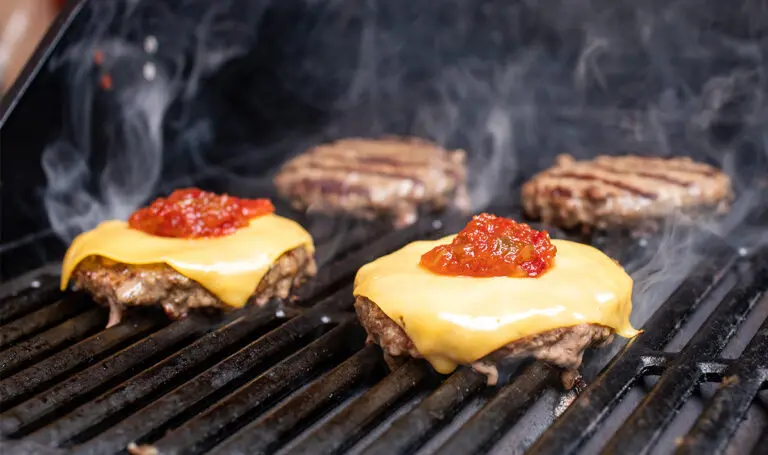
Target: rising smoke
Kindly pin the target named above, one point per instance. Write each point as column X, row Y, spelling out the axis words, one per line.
column 513, row 83
column 122, row 85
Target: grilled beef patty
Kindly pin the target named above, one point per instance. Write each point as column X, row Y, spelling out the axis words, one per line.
column 624, row 192
column 563, row 347
column 389, row 178
column 118, row 285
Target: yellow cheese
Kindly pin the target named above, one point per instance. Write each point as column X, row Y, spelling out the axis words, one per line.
column 230, row 267
column 458, row 320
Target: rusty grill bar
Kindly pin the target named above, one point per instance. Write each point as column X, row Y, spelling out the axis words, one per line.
column 296, row 377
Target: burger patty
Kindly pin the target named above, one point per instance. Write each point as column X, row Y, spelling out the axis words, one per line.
column 117, row 285
column 624, row 192
column 389, row 178
column 563, row 347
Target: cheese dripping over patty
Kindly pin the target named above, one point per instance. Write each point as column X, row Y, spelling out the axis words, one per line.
column 229, row 267
column 458, row 320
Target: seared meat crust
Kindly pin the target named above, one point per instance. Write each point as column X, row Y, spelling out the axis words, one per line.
column 563, row 347
column 118, row 285
column 624, row 192
column 390, row 178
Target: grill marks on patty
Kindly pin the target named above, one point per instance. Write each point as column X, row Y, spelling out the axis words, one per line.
column 623, row 191
column 607, row 181
column 368, row 178
column 335, row 162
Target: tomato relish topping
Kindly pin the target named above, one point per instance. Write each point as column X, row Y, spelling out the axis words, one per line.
column 193, row 213
column 493, row 246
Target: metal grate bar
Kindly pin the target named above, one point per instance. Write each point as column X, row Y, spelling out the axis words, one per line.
column 160, row 376
column 348, row 426
column 269, row 432
column 29, row 300
column 227, row 416
column 712, row 369
column 41, row 319
column 719, row 421
column 346, row 268
column 185, row 398
column 329, row 243
column 30, row 379
column 50, row 340
column 97, row 376
column 486, row 427
column 581, row 419
column 410, row 431
column 646, row 423
column 31, row 280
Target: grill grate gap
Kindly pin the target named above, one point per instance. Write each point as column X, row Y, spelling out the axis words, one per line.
column 364, row 412
column 295, row 413
column 28, row 326
column 747, row 330
column 91, row 382
column 697, row 320
column 502, row 410
column 30, row 299
column 229, row 415
column 680, row 424
column 434, row 444
column 747, row 435
column 200, row 393
column 376, row 432
column 739, row 387
column 614, row 420
column 761, row 444
column 296, row 444
column 74, row 359
column 411, row 431
column 530, row 426
column 60, row 412
column 166, row 375
column 642, row 429
column 51, row 341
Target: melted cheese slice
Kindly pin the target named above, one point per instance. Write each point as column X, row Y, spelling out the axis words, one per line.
column 230, row 267
column 458, row 320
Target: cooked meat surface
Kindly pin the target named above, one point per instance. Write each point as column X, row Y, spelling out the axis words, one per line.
column 118, row 285
column 631, row 192
column 391, row 178
column 563, row 347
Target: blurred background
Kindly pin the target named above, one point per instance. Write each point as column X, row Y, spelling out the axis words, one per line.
column 139, row 97
column 22, row 24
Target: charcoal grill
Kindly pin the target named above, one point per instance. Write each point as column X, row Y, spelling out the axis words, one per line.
column 296, row 377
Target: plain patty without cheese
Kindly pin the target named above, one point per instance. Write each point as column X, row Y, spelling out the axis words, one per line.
column 632, row 192
column 390, row 178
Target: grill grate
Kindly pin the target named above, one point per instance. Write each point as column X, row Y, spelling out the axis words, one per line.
column 296, row 377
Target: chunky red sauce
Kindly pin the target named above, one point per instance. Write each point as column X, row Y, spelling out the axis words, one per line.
column 194, row 213
column 493, row 246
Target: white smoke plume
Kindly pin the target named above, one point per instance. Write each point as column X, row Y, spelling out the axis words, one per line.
column 513, row 83
column 122, row 82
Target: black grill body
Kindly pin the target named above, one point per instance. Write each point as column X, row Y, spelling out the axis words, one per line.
column 296, row 377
